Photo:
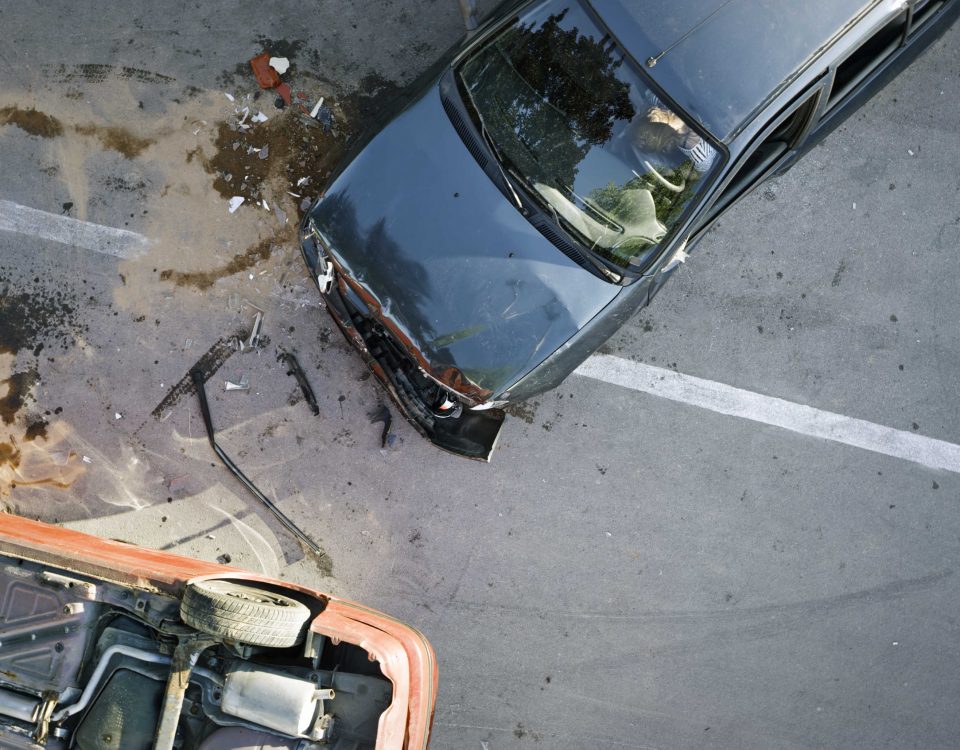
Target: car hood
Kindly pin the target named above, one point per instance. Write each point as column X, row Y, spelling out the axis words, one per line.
column 436, row 251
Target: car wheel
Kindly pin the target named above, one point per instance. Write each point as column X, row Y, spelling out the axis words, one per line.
column 238, row 612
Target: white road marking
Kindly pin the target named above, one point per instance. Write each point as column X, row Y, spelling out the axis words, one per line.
column 736, row 402
column 107, row 240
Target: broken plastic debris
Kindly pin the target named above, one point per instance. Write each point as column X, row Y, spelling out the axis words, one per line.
column 264, row 152
column 279, row 64
column 284, row 91
column 255, row 330
column 229, row 96
column 265, row 204
column 266, row 76
column 235, row 202
column 237, row 385
column 316, row 107
column 910, row 151
column 303, row 181
column 259, row 117
column 117, row 415
column 87, row 460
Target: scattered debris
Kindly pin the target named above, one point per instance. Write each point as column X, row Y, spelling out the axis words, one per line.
column 259, row 117
column 294, row 368
column 229, row 96
column 117, row 415
column 254, row 341
column 198, row 378
column 87, row 460
column 224, row 559
column 237, row 385
column 266, row 76
column 264, row 152
column 382, row 414
column 188, row 344
column 284, row 91
column 316, row 108
column 235, row 202
column 279, row 64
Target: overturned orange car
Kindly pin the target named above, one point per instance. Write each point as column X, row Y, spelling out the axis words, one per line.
column 104, row 645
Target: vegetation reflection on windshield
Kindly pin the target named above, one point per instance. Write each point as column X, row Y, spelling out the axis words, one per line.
column 578, row 127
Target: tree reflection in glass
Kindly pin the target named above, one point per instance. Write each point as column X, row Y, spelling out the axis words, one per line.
column 571, row 121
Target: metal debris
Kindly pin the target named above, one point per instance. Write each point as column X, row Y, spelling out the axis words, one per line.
column 237, row 385
column 255, row 331
column 294, row 368
column 197, row 376
column 382, row 414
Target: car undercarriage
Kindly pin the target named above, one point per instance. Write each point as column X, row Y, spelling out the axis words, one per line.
column 90, row 664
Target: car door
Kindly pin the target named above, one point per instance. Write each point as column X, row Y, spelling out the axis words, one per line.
column 777, row 145
column 780, row 141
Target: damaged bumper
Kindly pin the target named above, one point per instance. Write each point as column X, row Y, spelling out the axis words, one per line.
column 450, row 420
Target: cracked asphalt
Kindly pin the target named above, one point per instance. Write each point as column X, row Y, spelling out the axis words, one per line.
column 628, row 571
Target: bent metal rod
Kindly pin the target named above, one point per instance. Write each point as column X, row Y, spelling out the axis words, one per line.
column 197, row 376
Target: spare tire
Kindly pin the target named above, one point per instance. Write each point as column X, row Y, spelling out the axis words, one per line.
column 238, row 612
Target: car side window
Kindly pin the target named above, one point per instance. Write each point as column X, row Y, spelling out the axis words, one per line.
column 780, row 137
column 864, row 59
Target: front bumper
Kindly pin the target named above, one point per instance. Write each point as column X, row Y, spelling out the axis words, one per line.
column 468, row 433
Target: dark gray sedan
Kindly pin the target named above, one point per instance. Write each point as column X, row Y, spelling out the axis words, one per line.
column 540, row 189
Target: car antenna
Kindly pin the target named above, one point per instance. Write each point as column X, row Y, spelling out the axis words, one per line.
column 651, row 61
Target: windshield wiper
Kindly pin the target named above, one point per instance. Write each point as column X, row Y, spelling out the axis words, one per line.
column 498, row 158
column 589, row 254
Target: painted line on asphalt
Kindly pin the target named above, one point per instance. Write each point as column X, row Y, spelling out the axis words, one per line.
column 69, row 231
column 805, row 420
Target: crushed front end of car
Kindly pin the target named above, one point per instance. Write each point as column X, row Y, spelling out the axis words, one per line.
column 448, row 409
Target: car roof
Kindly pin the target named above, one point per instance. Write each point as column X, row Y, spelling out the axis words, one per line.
column 722, row 59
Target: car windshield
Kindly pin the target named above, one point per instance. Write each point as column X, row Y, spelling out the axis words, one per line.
column 575, row 124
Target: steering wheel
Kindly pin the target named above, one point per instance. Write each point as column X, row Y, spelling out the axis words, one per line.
column 663, row 180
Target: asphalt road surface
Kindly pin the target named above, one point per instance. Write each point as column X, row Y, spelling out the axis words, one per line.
column 739, row 528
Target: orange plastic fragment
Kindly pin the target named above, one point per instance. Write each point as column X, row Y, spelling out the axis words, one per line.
column 284, row 91
column 266, row 76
